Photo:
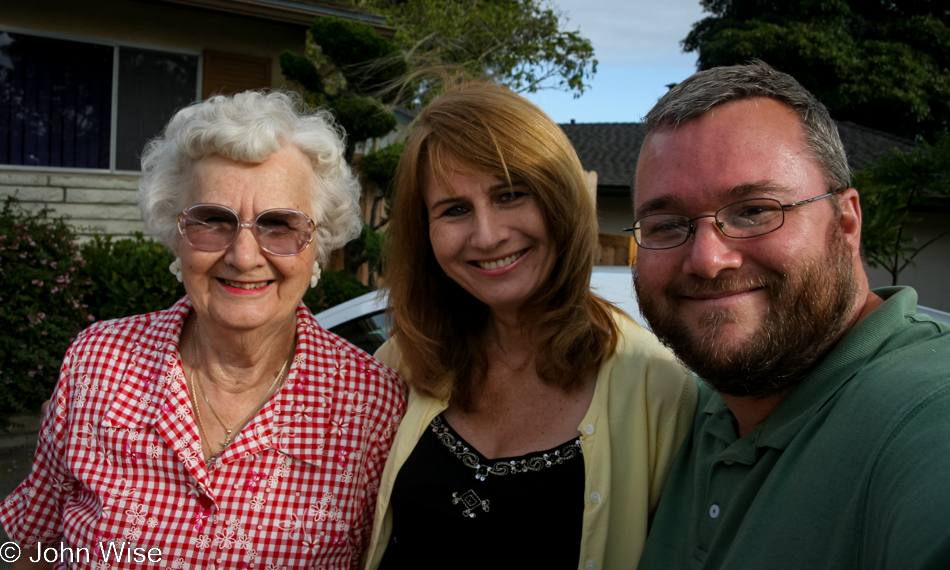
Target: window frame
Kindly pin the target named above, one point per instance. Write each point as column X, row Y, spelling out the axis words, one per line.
column 114, row 111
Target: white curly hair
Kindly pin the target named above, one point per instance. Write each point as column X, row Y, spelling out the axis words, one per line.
column 250, row 127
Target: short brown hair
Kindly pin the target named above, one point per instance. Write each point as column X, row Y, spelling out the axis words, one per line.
column 488, row 129
column 702, row 91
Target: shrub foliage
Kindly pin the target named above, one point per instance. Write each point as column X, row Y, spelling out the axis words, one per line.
column 128, row 276
column 42, row 283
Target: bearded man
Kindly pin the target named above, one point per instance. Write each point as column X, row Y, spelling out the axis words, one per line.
column 822, row 435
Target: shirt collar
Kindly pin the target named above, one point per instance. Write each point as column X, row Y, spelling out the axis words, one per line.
column 835, row 370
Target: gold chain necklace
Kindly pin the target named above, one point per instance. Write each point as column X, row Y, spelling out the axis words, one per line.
column 201, row 429
column 229, row 432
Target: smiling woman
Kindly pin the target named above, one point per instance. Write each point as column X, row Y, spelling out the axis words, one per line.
column 229, row 430
column 528, row 434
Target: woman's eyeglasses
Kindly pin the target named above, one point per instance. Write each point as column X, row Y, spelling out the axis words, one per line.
column 212, row 227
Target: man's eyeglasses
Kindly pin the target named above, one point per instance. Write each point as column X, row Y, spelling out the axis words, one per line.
column 743, row 219
column 212, row 227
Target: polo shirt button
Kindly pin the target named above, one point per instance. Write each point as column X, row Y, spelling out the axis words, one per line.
column 589, row 430
column 714, row 511
column 591, row 565
column 728, row 461
column 595, row 497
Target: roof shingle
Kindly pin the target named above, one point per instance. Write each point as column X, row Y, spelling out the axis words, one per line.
column 612, row 149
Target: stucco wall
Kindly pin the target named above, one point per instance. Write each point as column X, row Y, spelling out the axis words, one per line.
column 931, row 275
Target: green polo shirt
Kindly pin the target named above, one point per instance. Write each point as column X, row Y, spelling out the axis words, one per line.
column 851, row 470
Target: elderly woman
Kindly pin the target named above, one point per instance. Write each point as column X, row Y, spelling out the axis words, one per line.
column 542, row 421
column 229, row 431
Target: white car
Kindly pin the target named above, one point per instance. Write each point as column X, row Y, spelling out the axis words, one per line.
column 362, row 320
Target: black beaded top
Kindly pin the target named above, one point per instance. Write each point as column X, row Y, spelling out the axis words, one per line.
column 452, row 508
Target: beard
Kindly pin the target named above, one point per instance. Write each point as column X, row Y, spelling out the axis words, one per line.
column 810, row 307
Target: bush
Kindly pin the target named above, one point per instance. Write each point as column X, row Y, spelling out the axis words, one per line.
column 128, row 276
column 334, row 288
column 41, row 305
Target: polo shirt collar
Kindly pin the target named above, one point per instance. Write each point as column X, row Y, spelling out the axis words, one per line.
column 834, row 371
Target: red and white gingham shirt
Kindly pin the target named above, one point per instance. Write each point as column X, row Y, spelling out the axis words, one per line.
column 119, row 457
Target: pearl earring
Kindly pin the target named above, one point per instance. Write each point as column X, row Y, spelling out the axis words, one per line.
column 175, row 268
column 315, row 278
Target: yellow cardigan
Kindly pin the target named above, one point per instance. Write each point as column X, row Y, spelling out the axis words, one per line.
column 642, row 409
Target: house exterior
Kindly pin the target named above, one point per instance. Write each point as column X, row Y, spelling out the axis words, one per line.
column 83, row 86
column 611, row 151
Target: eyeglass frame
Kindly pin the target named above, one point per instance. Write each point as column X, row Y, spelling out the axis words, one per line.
column 250, row 225
column 718, row 224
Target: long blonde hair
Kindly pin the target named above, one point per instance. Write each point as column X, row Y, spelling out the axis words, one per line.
column 488, row 129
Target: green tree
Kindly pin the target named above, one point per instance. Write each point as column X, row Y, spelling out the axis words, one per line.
column 892, row 189
column 346, row 65
column 878, row 63
column 518, row 43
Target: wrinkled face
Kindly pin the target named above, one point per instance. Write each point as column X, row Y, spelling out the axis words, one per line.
column 243, row 287
column 748, row 315
column 489, row 237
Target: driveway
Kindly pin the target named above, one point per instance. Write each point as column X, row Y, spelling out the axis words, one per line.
column 16, row 457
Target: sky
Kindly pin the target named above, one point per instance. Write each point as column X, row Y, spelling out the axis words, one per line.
column 637, row 45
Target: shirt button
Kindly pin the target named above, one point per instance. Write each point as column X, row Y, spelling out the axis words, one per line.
column 591, row 565
column 595, row 498
column 714, row 512
column 589, row 430
column 728, row 461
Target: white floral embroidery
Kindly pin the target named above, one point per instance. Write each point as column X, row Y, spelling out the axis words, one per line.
column 338, row 427
column 189, row 457
column 145, row 400
column 136, row 514
column 182, row 412
column 134, row 436
column 291, row 527
column 302, row 413
column 152, row 522
column 60, row 483
column 153, row 450
column 123, row 491
column 319, row 512
column 243, row 542
column 234, row 524
column 180, row 444
column 346, row 477
column 251, row 555
column 224, row 538
column 134, row 533
column 87, row 434
column 257, row 503
column 203, row 541
column 179, row 563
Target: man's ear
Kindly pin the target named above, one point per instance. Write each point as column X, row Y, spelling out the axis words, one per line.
column 850, row 204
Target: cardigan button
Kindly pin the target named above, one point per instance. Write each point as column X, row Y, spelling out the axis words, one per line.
column 589, row 429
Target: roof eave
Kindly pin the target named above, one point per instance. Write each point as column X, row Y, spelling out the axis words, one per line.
column 289, row 12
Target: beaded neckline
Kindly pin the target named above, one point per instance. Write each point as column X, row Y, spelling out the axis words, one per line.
column 505, row 466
